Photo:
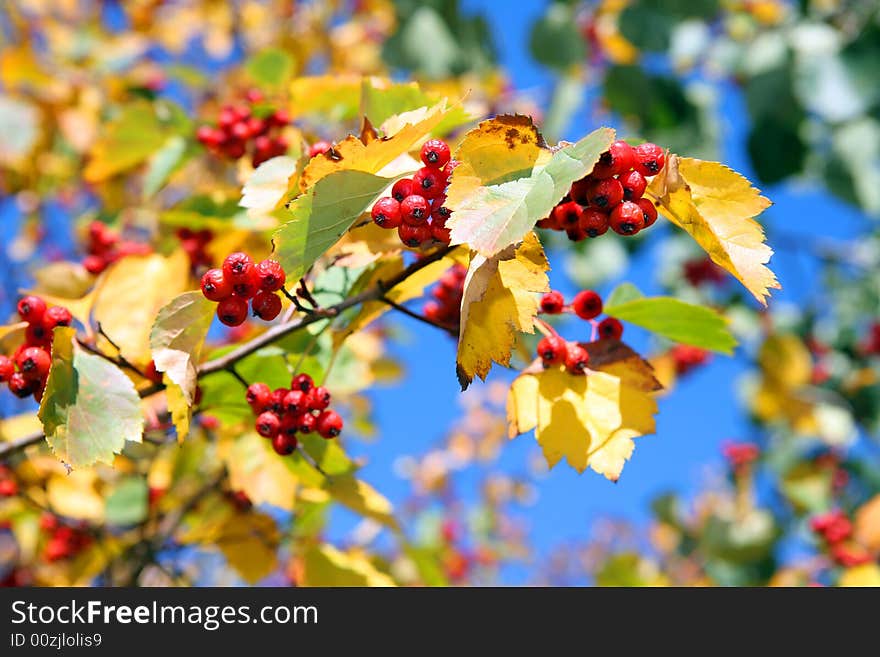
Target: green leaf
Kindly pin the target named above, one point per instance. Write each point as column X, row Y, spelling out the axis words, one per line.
column 90, row 407
column 132, row 137
column 491, row 218
column 127, row 502
column 163, row 163
column 270, row 68
column 381, row 103
column 321, row 216
column 361, row 498
column 622, row 294
column 679, row 321
column 556, row 41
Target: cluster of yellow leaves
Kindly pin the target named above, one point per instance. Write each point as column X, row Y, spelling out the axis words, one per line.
column 591, row 420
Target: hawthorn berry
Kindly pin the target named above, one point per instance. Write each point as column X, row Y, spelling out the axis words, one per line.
column 238, row 266
column 386, row 213
column 266, row 306
column 283, row 444
column 319, row 148
column 610, row 329
column 302, row 382
column 289, row 425
column 306, row 423
column 576, row 358
column 552, row 350
column 8, row 487
column 435, row 153
column 594, row 223
column 414, row 210
column 7, row 368
column 329, row 424
column 246, row 287
column 21, row 386
column 618, row 159
column 627, row 218
column 580, row 189
column 276, row 403
column 318, row 398
column 31, row 309
column 268, row 424
column 94, row 264
column 649, row 211
column 428, row 182
column 605, row 193
column 567, row 215
column 576, row 233
column 414, row 236
column 295, row 402
column 270, row 275
column 215, row 286
column 440, row 232
column 56, row 316
column 232, row 311
column 649, row 159
column 402, row 189
column 587, row 304
column 33, row 363
column 634, row 185
column 258, row 397
column 552, row 303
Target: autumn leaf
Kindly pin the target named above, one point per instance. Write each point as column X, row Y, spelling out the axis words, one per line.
column 90, row 408
column 498, row 301
column 523, row 181
column 592, row 419
column 267, row 186
column 865, row 575
column 130, row 139
column 256, row 469
column 361, row 498
column 76, row 495
column 866, row 524
column 324, row 565
column 716, row 206
column 249, row 543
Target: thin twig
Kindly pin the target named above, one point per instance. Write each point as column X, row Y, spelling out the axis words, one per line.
column 409, row 313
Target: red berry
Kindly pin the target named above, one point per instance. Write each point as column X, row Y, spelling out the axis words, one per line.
column 567, row 215
column 319, row 148
column 627, row 218
column 8, row 488
column 580, row 189
column 440, row 212
column 634, row 185
column 435, row 153
column 31, row 309
column 587, row 304
column 56, row 316
column 329, row 424
column 240, row 131
column 21, row 386
column 258, row 397
column 215, row 285
column 433, row 311
column 649, row 159
column 414, row 236
column 295, row 402
column 402, row 189
column 441, row 233
column 619, row 158
column 232, row 311
column 552, row 303
column 576, row 358
column 576, row 233
column 33, row 363
column 428, row 182
column 552, row 350
column 610, row 329
column 318, row 398
column 271, row 275
column 36, row 335
column 151, row 373
column 94, row 264
column 414, row 210
column 268, row 424
column 276, row 403
column 266, row 306
column 281, row 118
column 594, row 223
column 7, row 368
column 234, row 149
column 289, row 425
column 238, row 266
column 284, row 444
column 248, row 287
column 605, row 193
column 306, row 423
column 302, row 382
column 208, row 136
column 649, row 211
column 386, row 213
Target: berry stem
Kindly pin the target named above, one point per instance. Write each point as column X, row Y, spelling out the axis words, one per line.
column 120, row 360
column 594, row 330
column 545, row 328
column 238, row 377
column 409, row 313
column 312, row 462
column 303, row 291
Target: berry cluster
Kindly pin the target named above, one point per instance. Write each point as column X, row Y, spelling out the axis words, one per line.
column 8, row 484
column 240, row 280
column 240, row 130
column 740, row 456
column 64, row 541
column 194, row 243
column 836, row 530
column 610, row 196
column 285, row 412
column 445, row 308
column 26, row 372
column 687, row 358
column 587, row 304
column 105, row 248
column 415, row 207
column 703, row 270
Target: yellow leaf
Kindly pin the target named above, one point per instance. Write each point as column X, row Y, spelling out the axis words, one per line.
column 129, row 139
column 783, row 391
column 500, row 149
column 590, row 420
column 352, row 154
column 68, row 280
column 257, row 470
column 363, row 245
column 19, row 426
column 75, row 495
column 324, row 565
column 179, row 407
column 867, row 524
column 865, row 575
column 716, row 206
column 362, row 498
column 499, row 301
column 267, row 186
column 249, row 542
column 131, row 294
column 335, row 95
